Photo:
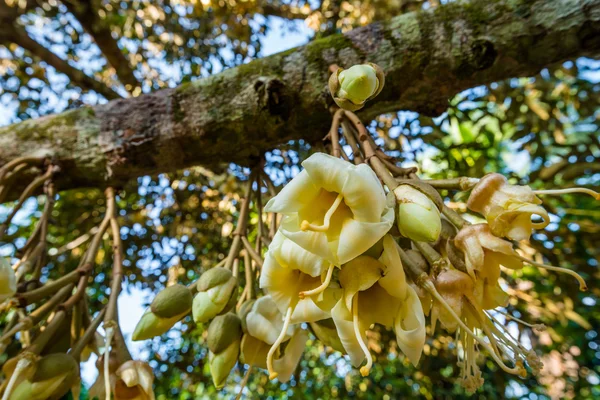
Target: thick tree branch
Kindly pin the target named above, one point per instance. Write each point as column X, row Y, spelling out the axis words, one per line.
column 101, row 33
column 428, row 56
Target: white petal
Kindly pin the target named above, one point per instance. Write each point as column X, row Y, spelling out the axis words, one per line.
column 364, row 195
column 265, row 322
column 307, row 311
column 316, row 242
column 290, row 255
column 359, row 185
column 298, row 193
column 286, row 365
column 409, row 327
column 394, row 280
column 328, row 172
column 342, row 318
column 357, row 237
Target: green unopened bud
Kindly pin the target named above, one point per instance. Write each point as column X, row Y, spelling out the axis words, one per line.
column 8, row 280
column 326, row 332
column 151, row 325
column 222, row 331
column 352, row 87
column 418, row 216
column 216, row 294
column 172, row 301
column 221, row 364
column 54, row 375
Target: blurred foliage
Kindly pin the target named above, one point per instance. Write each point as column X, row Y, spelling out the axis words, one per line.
column 541, row 131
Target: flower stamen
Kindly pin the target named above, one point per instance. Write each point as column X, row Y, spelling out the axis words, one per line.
column 582, row 284
column 592, row 193
column 307, row 226
column 428, row 285
column 321, row 288
column 275, row 347
column 364, row 370
column 537, row 327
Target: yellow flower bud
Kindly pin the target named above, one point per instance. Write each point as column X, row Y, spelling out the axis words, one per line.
column 326, row 332
column 216, row 294
column 418, row 216
column 352, row 87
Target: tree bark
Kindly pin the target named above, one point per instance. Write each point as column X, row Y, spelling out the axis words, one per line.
column 234, row 116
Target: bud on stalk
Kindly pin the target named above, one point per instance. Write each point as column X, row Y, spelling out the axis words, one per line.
column 168, row 307
column 352, row 87
column 216, row 294
column 418, row 215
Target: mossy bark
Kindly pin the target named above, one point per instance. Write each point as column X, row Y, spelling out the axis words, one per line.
column 234, row 116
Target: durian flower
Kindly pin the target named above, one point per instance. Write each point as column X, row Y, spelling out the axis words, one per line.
column 168, row 307
column 376, row 291
column 134, row 381
column 456, row 307
column 298, row 279
column 8, row 280
column 485, row 252
column 334, row 209
column 267, row 329
column 507, row 208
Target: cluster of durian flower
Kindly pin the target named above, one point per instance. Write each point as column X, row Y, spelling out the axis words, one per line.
column 359, row 244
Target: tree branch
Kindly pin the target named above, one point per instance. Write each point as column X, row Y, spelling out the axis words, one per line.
column 11, row 32
column 428, row 56
column 102, row 35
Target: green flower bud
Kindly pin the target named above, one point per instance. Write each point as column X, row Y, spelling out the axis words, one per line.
column 54, row 376
column 8, row 280
column 418, row 216
column 151, row 325
column 326, row 332
column 172, row 301
column 352, row 87
column 222, row 331
column 216, row 294
column 221, row 364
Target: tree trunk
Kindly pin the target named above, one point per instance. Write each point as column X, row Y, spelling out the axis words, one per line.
column 234, row 116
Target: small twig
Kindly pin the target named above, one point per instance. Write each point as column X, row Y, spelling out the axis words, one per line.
column 255, row 256
column 455, row 218
column 462, row 183
column 249, row 275
column 28, row 192
column 88, row 335
column 242, row 222
column 333, row 134
column 244, row 383
column 350, row 137
column 27, row 160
